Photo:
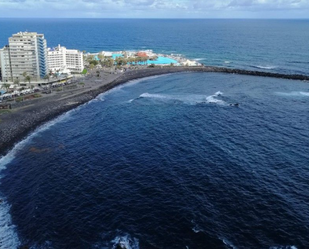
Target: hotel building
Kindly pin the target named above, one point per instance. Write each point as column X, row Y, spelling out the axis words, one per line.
column 60, row 58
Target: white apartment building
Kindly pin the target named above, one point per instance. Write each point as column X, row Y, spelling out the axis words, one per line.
column 5, row 65
column 60, row 58
column 28, row 53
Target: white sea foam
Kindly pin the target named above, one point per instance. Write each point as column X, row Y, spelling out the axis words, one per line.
column 227, row 62
column 125, row 242
column 190, row 99
column 304, row 93
column 213, row 99
column 265, row 67
column 228, row 243
column 102, row 96
column 283, row 247
column 8, row 236
column 197, row 229
column 294, row 93
column 199, row 59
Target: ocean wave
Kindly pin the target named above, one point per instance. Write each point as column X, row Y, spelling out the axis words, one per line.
column 125, row 242
column 101, row 97
column 265, row 67
column 199, row 59
column 283, row 247
column 8, row 235
column 186, row 99
column 213, row 99
column 294, row 93
column 227, row 62
column 228, row 243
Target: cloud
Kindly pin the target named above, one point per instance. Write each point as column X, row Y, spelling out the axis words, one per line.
column 153, row 8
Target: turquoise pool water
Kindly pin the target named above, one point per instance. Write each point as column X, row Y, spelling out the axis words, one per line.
column 116, row 55
column 159, row 61
column 162, row 60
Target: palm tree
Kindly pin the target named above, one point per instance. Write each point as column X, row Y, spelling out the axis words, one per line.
column 25, row 76
column 28, row 78
column 46, row 77
column 6, row 86
column 16, row 82
column 101, row 56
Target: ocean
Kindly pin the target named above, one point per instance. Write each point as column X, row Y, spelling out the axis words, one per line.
column 169, row 161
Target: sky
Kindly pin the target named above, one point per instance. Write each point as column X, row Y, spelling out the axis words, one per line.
column 155, row 8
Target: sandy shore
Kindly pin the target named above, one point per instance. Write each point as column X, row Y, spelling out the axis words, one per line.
column 28, row 115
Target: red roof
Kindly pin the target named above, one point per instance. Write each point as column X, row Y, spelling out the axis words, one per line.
column 142, row 54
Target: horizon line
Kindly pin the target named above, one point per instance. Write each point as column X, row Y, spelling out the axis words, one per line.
column 159, row 18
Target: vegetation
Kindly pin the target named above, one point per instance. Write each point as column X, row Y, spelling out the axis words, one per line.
column 84, row 71
column 107, row 62
column 101, row 56
column 16, row 81
column 71, row 87
column 19, row 99
column 28, row 78
column 3, row 112
column 94, row 62
column 46, row 77
column 6, row 86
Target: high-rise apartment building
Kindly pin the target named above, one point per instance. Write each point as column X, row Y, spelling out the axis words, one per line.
column 5, row 65
column 28, row 53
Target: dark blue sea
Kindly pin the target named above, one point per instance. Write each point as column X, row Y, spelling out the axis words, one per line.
column 169, row 161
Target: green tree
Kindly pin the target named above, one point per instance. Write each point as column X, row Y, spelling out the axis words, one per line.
column 16, row 82
column 46, row 77
column 28, row 78
column 101, row 56
column 6, row 86
column 25, row 76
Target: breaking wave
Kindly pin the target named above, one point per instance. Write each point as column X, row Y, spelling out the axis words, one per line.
column 102, row 96
column 186, row 99
column 294, row 93
column 265, row 67
column 8, row 235
column 213, row 99
column 228, row 243
column 283, row 247
column 125, row 242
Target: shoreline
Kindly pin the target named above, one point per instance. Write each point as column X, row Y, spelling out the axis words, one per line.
column 16, row 126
